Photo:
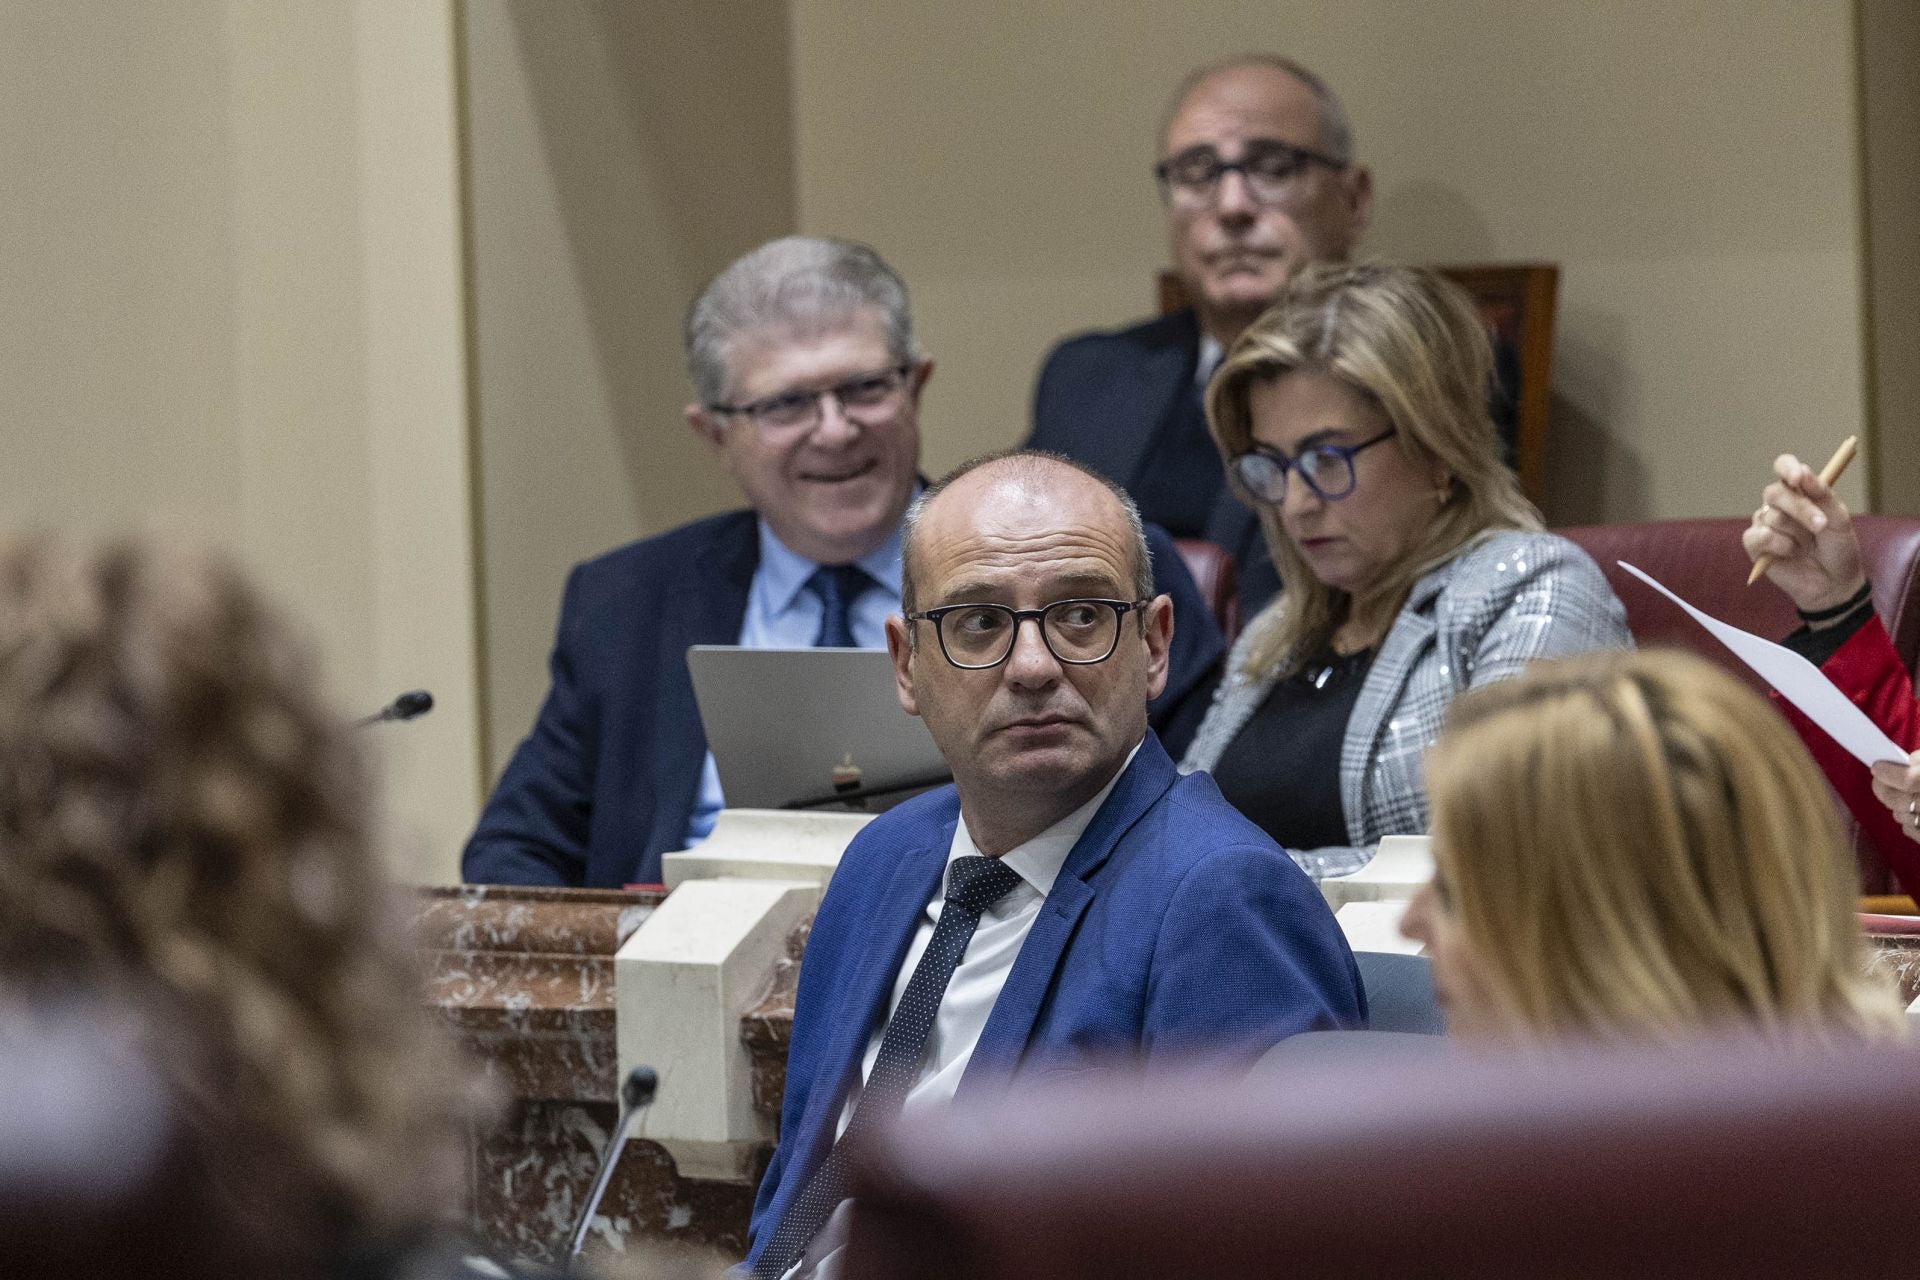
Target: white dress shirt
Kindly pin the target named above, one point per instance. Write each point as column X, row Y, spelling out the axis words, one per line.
column 989, row 957
column 1211, row 353
column 783, row 614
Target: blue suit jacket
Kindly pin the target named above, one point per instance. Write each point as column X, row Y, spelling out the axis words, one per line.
column 1175, row 928
column 607, row 779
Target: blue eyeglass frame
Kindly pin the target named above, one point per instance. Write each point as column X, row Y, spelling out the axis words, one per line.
column 1264, row 453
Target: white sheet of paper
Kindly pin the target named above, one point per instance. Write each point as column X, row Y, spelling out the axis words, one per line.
column 1375, row 926
column 1796, row 680
column 1395, row 872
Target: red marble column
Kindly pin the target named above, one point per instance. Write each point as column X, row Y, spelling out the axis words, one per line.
column 525, row 978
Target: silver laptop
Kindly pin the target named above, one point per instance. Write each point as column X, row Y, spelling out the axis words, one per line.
column 795, row 725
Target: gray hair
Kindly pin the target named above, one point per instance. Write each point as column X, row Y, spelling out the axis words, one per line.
column 1029, row 461
column 806, row 283
column 1336, row 132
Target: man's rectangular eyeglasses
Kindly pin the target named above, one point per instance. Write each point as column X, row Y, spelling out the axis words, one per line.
column 1327, row 469
column 793, row 413
column 1272, row 170
column 1076, row 632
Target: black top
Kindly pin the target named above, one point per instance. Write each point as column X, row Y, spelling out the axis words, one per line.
column 1283, row 768
column 1817, row 646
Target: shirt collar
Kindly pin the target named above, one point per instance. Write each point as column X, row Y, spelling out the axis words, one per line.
column 1210, row 353
column 1039, row 860
column 784, row 572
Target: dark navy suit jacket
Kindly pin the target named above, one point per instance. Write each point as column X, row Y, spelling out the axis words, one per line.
column 606, row 781
column 1175, row 929
column 1106, row 399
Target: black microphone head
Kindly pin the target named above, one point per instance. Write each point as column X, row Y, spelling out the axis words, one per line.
column 417, row 702
column 638, row 1091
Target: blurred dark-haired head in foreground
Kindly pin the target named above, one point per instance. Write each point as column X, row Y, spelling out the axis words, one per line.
column 185, row 842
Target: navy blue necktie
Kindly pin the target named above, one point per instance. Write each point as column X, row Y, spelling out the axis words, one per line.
column 837, row 586
column 973, row 885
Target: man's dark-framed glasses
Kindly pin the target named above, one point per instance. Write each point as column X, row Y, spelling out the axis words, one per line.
column 1273, row 171
column 1076, row 632
column 1327, row 469
column 797, row 411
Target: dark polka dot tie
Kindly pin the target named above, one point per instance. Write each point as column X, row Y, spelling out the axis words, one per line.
column 973, row 885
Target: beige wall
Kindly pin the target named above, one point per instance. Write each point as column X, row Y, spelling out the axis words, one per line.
column 1691, row 167
column 1890, row 98
column 621, row 154
column 419, row 476
column 117, row 263
column 229, row 247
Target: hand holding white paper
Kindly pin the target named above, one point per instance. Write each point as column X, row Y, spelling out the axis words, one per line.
column 1796, row 680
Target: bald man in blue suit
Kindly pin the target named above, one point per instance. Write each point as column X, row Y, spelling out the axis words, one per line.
column 1070, row 901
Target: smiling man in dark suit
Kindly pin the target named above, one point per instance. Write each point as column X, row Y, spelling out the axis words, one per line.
column 1070, row 900
column 1258, row 179
column 808, row 384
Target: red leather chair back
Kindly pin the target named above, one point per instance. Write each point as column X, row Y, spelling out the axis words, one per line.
column 1703, row 562
column 1727, row 1160
column 1213, row 572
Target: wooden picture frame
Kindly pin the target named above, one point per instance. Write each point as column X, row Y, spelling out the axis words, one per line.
column 1518, row 300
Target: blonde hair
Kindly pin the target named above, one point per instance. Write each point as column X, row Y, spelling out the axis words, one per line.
column 184, row 828
column 1414, row 344
column 1636, row 845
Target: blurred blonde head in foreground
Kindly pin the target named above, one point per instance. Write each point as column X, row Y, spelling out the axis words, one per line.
column 1636, row 846
column 184, row 831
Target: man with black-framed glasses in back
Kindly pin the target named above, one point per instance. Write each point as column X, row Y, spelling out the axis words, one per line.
column 1069, row 904
column 807, row 384
column 1257, row 175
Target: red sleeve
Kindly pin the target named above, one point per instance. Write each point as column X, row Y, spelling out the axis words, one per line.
column 1869, row 672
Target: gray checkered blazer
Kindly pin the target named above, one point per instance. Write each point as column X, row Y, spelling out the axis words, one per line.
column 1501, row 602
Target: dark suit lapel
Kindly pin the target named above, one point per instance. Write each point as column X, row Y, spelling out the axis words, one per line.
column 713, row 604
column 707, row 607
column 1233, row 525
column 710, row 602
column 1138, row 402
column 1010, row 1025
column 888, row 929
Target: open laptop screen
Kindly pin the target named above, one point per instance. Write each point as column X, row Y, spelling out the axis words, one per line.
column 788, row 725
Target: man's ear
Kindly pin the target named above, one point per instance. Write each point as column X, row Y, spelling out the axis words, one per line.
column 917, row 378
column 1159, row 640
column 900, row 649
column 709, row 426
column 1360, row 201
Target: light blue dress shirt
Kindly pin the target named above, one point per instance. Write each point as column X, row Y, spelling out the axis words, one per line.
column 783, row 614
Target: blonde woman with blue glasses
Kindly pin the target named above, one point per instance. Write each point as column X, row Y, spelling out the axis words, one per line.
column 1353, row 417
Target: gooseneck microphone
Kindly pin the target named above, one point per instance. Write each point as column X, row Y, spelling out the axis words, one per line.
column 409, row 705
column 636, row 1095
